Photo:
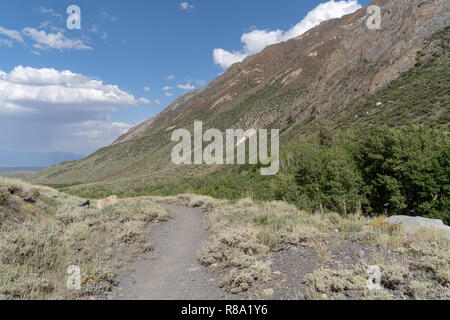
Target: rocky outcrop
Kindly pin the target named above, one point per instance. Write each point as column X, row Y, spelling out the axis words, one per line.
column 336, row 62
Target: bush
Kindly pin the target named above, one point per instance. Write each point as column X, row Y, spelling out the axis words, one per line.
column 407, row 171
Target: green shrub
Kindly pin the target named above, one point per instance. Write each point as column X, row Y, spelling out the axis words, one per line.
column 329, row 177
column 407, row 171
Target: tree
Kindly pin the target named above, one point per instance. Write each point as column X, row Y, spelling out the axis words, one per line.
column 330, row 179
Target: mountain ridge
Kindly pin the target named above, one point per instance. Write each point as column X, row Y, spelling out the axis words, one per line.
column 289, row 86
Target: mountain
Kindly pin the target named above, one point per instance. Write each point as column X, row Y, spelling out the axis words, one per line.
column 34, row 159
column 339, row 72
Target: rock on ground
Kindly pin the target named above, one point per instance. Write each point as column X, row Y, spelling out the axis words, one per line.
column 413, row 223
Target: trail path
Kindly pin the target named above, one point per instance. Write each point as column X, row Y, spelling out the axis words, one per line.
column 171, row 271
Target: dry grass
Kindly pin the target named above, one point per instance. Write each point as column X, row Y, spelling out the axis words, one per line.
column 244, row 232
column 42, row 232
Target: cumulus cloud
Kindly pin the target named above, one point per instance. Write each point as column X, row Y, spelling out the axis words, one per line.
column 171, row 77
column 44, row 40
column 187, row 86
column 37, row 106
column 13, row 34
column 256, row 40
column 147, row 88
column 157, row 102
column 166, row 88
column 226, row 58
column 186, row 6
column 33, row 88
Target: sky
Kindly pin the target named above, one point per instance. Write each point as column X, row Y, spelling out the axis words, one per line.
column 76, row 90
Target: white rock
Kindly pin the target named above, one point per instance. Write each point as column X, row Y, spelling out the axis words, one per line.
column 413, row 223
column 108, row 202
column 268, row 292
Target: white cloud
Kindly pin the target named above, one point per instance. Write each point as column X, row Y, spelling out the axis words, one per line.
column 13, row 34
column 200, row 82
column 226, row 59
column 93, row 29
column 171, row 77
column 144, row 100
column 168, row 94
column 88, row 136
column 42, row 90
column 187, row 86
column 6, row 42
column 50, row 110
column 48, row 25
column 157, row 102
column 44, row 24
column 106, row 16
column 256, row 40
column 53, row 40
column 49, row 11
column 186, row 6
column 92, row 129
column 166, row 88
column 147, row 88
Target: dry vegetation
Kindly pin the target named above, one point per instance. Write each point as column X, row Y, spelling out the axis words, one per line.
column 43, row 231
column 244, row 232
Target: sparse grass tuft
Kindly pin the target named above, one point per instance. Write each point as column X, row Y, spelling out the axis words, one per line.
column 42, row 232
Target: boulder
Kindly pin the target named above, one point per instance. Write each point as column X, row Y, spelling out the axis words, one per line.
column 108, row 202
column 84, row 203
column 413, row 223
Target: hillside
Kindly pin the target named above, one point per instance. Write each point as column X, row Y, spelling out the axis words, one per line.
column 335, row 73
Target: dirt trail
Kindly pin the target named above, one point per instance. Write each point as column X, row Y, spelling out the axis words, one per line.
column 172, row 271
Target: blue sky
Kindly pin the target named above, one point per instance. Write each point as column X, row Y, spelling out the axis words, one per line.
column 77, row 90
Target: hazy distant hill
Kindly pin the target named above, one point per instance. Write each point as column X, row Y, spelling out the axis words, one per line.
column 34, row 159
column 20, row 169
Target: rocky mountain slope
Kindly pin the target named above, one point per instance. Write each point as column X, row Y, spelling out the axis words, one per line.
column 326, row 74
